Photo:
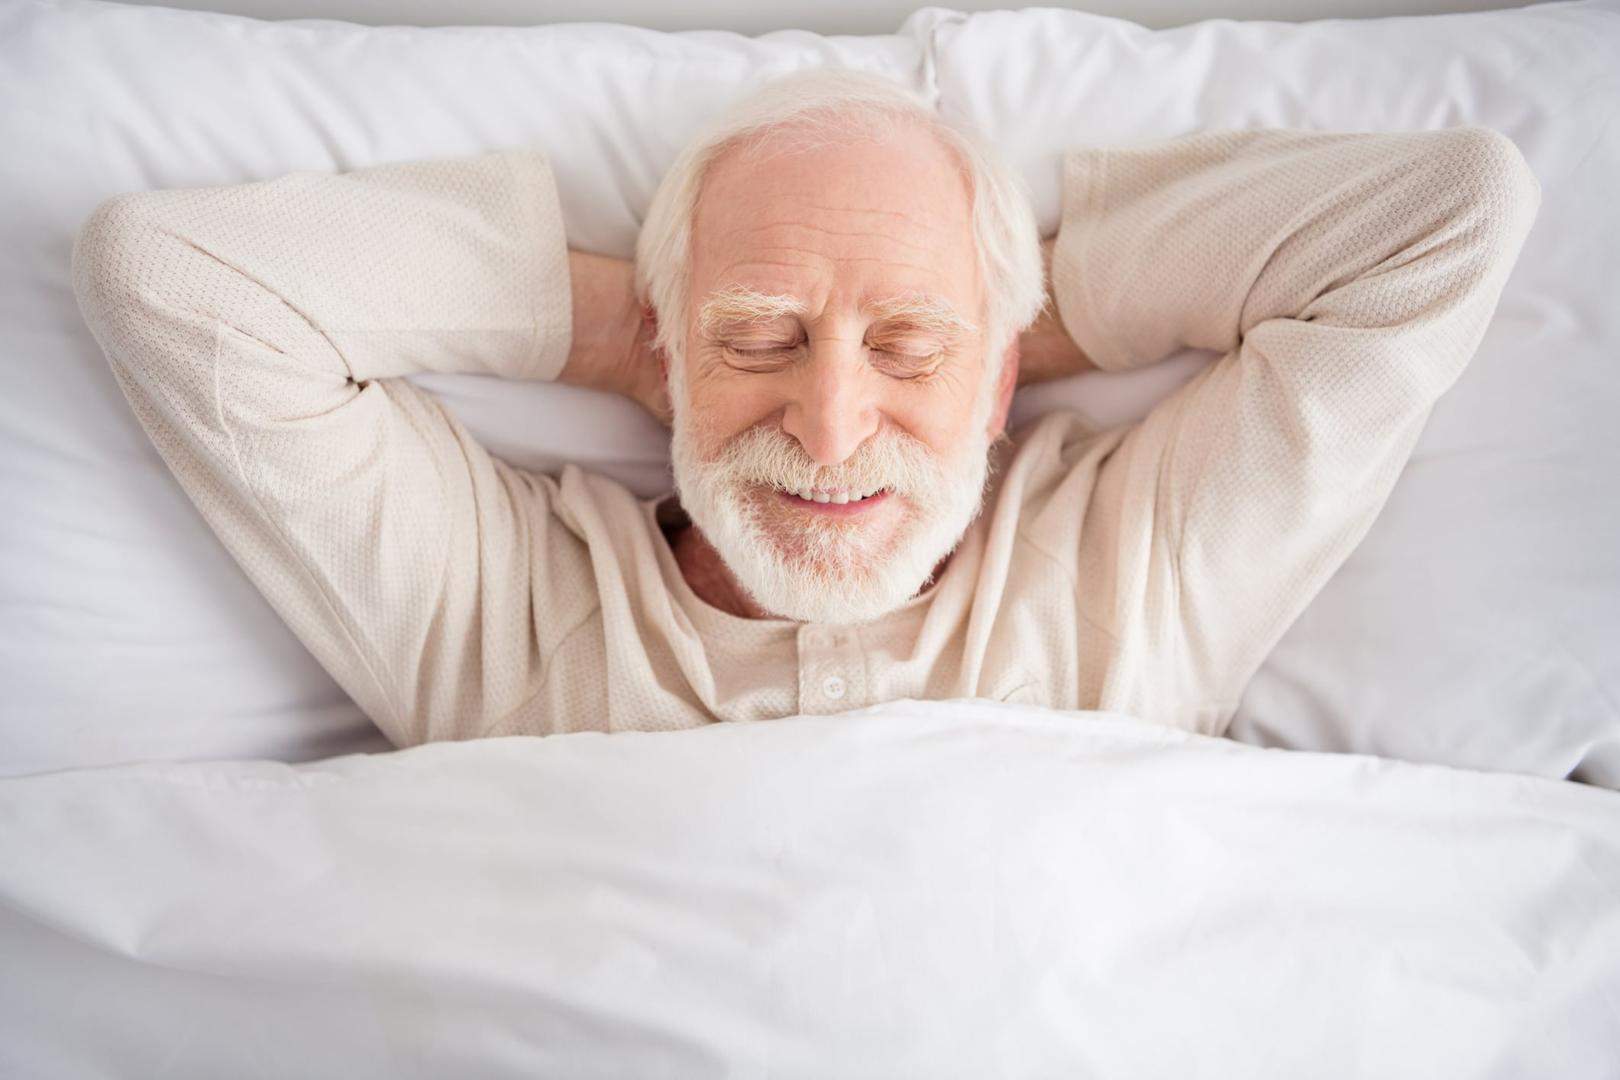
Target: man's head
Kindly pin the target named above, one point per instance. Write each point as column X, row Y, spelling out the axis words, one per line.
column 838, row 279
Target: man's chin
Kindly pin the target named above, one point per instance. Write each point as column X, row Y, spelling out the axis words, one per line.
column 830, row 603
column 839, row 584
column 812, row 564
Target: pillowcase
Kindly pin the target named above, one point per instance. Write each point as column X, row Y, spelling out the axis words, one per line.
column 1478, row 624
column 129, row 633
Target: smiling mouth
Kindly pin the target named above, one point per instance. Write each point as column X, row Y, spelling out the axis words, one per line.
column 833, row 501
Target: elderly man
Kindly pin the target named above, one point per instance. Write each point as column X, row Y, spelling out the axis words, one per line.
column 837, row 292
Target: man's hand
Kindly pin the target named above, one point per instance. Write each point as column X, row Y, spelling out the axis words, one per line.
column 1046, row 351
column 612, row 346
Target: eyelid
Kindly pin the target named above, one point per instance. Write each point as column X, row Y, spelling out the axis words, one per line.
column 915, row 365
column 767, row 359
column 762, row 349
column 927, row 364
column 926, row 352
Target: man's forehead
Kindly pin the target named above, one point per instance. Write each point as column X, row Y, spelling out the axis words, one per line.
column 745, row 236
column 906, row 191
column 860, row 226
column 884, row 174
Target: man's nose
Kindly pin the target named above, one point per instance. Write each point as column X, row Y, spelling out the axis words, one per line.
column 833, row 410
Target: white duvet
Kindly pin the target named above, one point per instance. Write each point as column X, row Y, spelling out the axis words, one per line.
column 932, row 890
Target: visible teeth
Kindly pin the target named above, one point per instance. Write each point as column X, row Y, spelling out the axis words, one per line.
column 836, row 498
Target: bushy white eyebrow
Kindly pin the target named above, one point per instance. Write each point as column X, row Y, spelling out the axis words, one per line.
column 740, row 304
column 922, row 311
column 737, row 303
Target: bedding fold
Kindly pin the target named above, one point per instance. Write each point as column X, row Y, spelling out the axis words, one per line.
column 941, row 889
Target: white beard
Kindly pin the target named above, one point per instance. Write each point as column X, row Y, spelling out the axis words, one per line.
column 831, row 570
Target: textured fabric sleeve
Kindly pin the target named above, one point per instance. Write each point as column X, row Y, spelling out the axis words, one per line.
column 256, row 330
column 1346, row 279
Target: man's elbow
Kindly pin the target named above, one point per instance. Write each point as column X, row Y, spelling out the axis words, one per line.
column 1493, row 198
column 1503, row 189
column 112, row 249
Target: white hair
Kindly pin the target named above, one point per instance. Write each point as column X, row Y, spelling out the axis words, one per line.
column 822, row 107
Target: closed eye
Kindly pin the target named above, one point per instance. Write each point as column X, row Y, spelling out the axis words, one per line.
column 908, row 365
column 895, row 363
column 760, row 361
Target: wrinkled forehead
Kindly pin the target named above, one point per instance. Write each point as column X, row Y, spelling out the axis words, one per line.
column 848, row 221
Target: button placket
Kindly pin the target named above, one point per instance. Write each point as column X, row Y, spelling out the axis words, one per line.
column 831, row 672
column 844, row 680
column 812, row 670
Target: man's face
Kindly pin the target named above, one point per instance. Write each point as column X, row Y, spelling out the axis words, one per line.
column 831, row 441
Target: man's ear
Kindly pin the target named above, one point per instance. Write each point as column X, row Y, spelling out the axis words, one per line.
column 649, row 334
column 1006, row 383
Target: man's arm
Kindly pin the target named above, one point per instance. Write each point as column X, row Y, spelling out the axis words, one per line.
column 1346, row 279
column 257, row 330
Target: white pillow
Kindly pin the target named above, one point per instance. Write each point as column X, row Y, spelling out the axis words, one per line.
column 128, row 632
column 1479, row 622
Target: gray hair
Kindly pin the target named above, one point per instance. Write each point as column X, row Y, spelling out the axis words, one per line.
column 821, row 107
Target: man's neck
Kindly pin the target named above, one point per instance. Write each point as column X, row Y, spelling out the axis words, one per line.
column 709, row 577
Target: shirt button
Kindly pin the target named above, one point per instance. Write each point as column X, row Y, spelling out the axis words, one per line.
column 833, row 687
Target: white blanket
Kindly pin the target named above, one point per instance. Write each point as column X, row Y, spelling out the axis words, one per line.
column 929, row 890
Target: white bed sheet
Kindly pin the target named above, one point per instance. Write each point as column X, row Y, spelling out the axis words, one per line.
column 958, row 889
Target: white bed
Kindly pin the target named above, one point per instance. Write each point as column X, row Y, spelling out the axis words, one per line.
column 1406, row 861
column 933, row 890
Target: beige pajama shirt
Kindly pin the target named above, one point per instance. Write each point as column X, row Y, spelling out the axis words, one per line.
column 260, row 332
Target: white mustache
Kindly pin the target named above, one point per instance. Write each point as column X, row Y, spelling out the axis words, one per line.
column 890, row 459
